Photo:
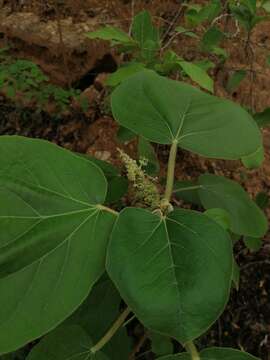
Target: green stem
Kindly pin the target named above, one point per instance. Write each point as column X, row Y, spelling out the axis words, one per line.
column 192, row 350
column 109, row 334
column 105, row 208
column 170, row 171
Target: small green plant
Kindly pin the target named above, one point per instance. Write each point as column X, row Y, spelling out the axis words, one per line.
column 68, row 257
column 144, row 47
column 22, row 79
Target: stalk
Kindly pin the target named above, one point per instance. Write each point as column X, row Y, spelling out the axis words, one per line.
column 192, row 350
column 109, row 334
column 170, row 171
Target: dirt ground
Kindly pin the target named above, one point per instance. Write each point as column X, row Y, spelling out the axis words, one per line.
column 245, row 323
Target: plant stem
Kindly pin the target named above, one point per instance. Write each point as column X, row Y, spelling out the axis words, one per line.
column 192, row 350
column 109, row 334
column 170, row 171
column 105, row 208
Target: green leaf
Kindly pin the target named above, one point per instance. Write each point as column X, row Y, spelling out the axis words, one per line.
column 263, row 118
column 262, row 200
column 111, row 33
column 146, row 150
column 117, row 185
column 220, row 216
column 146, row 35
column 164, row 111
column 214, row 353
column 197, row 14
column 235, row 79
column 123, row 73
column 184, row 31
column 211, row 11
column 160, row 345
column 254, row 160
column 125, row 135
column 211, row 38
column 198, row 75
column 252, row 243
column 65, row 343
column 174, row 273
column 219, row 192
column 188, row 191
column 205, row 64
column 266, row 6
column 97, row 314
column 56, row 235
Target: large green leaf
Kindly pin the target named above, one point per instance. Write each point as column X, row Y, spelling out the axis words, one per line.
column 174, row 273
column 246, row 218
column 123, row 73
column 214, row 353
column 54, row 236
column 160, row 345
column 164, row 111
column 65, row 343
column 97, row 314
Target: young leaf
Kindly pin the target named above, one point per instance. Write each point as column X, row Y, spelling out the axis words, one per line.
column 219, row 192
column 198, row 75
column 111, row 33
column 211, row 38
column 174, row 273
column 146, row 35
column 65, row 343
column 214, row 353
column 235, row 79
column 123, row 73
column 186, row 32
column 164, row 111
column 56, row 235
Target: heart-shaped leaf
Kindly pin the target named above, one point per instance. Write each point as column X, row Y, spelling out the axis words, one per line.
column 174, row 273
column 219, row 192
column 214, row 353
column 65, row 343
column 54, row 236
column 165, row 111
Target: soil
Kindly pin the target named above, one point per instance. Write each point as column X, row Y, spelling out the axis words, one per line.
column 245, row 323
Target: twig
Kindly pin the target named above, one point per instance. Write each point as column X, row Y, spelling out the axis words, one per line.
column 61, row 42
